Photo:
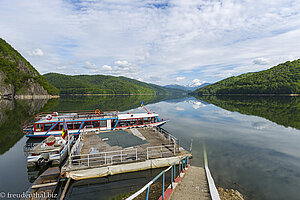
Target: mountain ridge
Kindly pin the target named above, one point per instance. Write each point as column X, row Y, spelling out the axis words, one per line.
column 104, row 84
column 18, row 77
column 282, row 79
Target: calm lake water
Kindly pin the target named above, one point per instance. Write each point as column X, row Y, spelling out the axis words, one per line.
column 252, row 143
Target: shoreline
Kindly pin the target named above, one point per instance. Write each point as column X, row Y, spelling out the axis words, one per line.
column 291, row 95
column 108, row 94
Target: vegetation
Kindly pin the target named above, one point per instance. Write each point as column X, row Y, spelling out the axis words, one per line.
column 120, row 103
column 281, row 110
column 281, row 79
column 18, row 70
column 101, row 84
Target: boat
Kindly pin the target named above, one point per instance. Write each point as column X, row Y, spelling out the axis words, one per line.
column 44, row 186
column 46, row 124
column 51, row 150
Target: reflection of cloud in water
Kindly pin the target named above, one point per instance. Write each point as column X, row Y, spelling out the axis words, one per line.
column 179, row 108
column 260, row 125
column 196, row 104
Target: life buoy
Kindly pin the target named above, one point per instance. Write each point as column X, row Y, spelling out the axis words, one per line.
column 55, row 114
column 49, row 117
column 97, row 112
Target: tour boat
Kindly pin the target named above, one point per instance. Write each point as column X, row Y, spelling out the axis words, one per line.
column 52, row 149
column 46, row 124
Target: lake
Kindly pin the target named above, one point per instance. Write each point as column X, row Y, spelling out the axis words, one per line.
column 252, row 142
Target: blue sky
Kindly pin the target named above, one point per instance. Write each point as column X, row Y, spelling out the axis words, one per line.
column 157, row 41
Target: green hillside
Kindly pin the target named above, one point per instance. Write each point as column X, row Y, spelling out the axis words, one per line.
column 281, row 79
column 160, row 90
column 102, row 84
column 18, row 74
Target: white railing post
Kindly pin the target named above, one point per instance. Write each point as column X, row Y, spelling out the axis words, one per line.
column 136, row 155
column 147, row 154
column 88, row 160
column 121, row 155
column 174, row 147
column 105, row 157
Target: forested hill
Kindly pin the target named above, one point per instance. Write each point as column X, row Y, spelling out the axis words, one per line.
column 103, row 84
column 281, row 79
column 18, row 76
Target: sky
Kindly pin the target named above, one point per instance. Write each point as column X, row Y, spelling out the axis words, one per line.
column 156, row 41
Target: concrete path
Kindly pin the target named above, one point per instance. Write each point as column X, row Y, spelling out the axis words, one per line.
column 192, row 186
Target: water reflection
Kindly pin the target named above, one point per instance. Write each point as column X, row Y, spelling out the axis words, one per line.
column 248, row 147
column 283, row 110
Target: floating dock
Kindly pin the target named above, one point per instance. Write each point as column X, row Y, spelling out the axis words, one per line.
column 99, row 154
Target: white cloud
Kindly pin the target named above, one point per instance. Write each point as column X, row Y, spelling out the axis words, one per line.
column 61, row 68
column 180, row 78
column 260, row 61
column 179, row 108
column 208, row 39
column 89, row 65
column 106, row 67
column 36, row 52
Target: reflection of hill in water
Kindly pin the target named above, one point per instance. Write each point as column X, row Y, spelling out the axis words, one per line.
column 281, row 110
column 109, row 102
column 13, row 114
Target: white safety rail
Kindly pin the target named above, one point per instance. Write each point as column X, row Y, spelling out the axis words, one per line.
column 170, row 137
column 161, row 151
column 104, row 158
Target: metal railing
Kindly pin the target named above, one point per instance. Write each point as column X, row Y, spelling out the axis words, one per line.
column 104, row 158
column 169, row 136
column 161, row 151
column 182, row 164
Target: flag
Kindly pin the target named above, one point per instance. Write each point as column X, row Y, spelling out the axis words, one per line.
column 142, row 104
column 64, row 129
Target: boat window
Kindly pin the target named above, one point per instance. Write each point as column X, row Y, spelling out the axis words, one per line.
column 133, row 122
column 103, row 123
column 146, row 120
column 152, row 119
column 47, row 126
column 56, row 127
column 87, row 124
column 95, row 124
column 113, row 122
column 140, row 121
column 77, row 125
column 39, row 127
column 70, row 125
column 61, row 126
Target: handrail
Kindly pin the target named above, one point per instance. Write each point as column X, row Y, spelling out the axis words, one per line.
column 182, row 164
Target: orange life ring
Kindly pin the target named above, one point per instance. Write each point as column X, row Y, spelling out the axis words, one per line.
column 97, row 112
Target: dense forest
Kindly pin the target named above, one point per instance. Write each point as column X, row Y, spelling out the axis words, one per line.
column 105, row 102
column 18, row 72
column 281, row 79
column 281, row 110
column 103, row 84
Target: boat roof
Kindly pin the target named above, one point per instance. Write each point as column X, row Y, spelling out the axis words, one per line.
column 73, row 117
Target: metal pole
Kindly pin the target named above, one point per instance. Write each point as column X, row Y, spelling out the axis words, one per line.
column 147, row 193
column 163, row 187
column 88, row 160
column 147, row 154
column 136, row 154
column 172, row 177
column 121, row 155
